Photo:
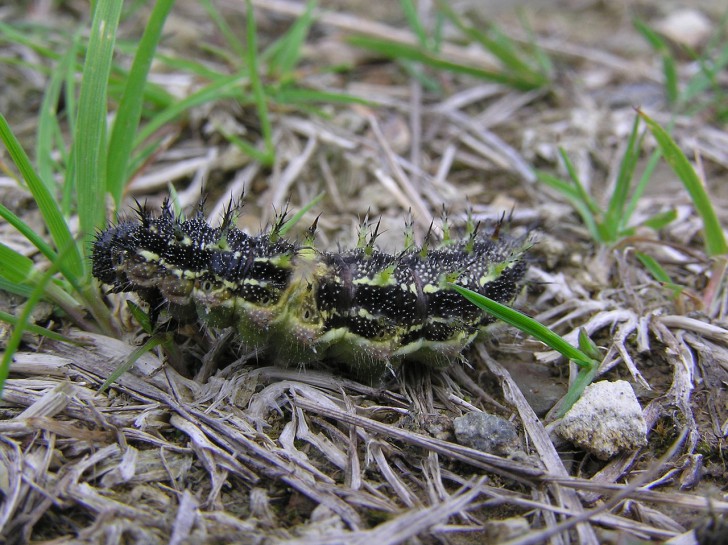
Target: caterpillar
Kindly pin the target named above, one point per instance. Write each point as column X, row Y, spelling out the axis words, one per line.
column 364, row 307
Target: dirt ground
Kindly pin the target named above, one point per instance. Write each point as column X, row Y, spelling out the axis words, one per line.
column 226, row 447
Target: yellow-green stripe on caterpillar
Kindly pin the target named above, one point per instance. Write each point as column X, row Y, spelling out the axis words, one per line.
column 364, row 307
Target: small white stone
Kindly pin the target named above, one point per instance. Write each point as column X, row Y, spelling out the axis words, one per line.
column 606, row 420
column 686, row 26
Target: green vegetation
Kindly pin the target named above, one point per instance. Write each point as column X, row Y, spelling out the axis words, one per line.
column 609, row 225
column 521, row 67
column 587, row 356
column 703, row 91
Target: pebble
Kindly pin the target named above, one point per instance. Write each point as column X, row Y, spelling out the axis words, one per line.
column 486, row 432
column 686, row 26
column 606, row 421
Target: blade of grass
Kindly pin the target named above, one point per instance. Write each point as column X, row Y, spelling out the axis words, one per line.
column 189, row 65
column 228, row 86
column 14, row 266
column 89, row 142
column 713, row 232
column 247, row 148
column 499, row 45
column 23, row 35
column 654, row 267
column 641, row 186
column 614, row 218
column 283, row 55
column 413, row 20
column 21, row 323
column 36, row 329
column 129, row 113
column 141, row 317
column 15, row 288
column 526, row 324
column 573, row 196
column 298, row 215
column 584, row 378
column 588, row 367
column 658, row 273
column 20, row 270
column 658, row 221
column 40, row 244
column 669, row 67
column 542, row 58
column 298, row 95
column 398, row 51
column 232, row 40
column 259, row 97
column 574, row 175
column 148, row 346
column 45, row 201
column 48, row 119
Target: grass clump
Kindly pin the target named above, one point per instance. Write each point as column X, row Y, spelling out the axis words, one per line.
column 703, row 90
column 519, row 67
column 609, row 224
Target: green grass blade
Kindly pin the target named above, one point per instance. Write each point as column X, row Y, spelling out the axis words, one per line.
column 232, row 40
column 713, row 232
column 502, row 47
column 224, row 87
column 588, row 367
column 144, row 154
column 707, row 78
column 400, row 51
column 297, row 95
column 654, row 267
column 669, row 67
column 40, row 244
column 570, row 193
column 129, row 113
column 540, row 56
column 48, row 126
column 526, row 324
column 247, row 148
column 25, row 230
column 22, row 35
column 659, row 273
column 39, row 290
column 36, row 329
column 89, row 148
column 663, row 219
column 283, row 55
column 583, row 379
column 259, row 97
column 23, row 290
column 70, row 94
column 410, row 13
column 13, row 266
column 148, row 346
column 641, row 185
column 19, row 270
column 574, row 175
column 614, row 218
column 142, row 317
column 45, row 201
column 298, row 215
column 188, row 65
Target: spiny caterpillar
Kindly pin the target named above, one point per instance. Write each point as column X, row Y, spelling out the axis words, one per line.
column 363, row 307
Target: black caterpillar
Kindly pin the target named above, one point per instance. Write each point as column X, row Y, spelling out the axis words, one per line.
column 366, row 308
